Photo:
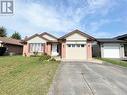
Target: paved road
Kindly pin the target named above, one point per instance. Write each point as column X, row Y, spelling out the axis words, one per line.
column 77, row 78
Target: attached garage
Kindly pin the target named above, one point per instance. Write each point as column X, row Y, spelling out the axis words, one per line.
column 111, row 51
column 111, row 48
column 76, row 45
column 76, row 51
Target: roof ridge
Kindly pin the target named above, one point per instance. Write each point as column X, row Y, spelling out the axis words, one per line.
column 35, row 36
column 76, row 31
column 48, row 34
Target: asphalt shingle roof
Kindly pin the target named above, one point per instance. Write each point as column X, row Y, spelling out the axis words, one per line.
column 121, row 36
column 110, row 40
column 10, row 41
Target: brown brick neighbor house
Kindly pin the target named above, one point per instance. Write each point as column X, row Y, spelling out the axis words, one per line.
column 13, row 46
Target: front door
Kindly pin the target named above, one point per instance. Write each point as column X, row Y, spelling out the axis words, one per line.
column 54, row 49
column 125, row 50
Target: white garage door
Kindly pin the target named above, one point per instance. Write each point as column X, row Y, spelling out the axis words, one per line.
column 76, row 52
column 111, row 51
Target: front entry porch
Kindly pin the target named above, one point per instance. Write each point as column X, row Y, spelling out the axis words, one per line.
column 55, row 49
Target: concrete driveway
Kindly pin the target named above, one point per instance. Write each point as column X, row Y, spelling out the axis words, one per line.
column 83, row 78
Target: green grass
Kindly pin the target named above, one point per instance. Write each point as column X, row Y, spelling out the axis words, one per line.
column 115, row 61
column 25, row 75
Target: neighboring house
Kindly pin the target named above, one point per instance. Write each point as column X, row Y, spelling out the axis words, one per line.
column 13, row 46
column 112, row 47
column 75, row 45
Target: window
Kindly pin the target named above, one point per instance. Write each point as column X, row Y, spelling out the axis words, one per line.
column 73, row 45
column 78, row 45
column 36, row 47
column 69, row 45
column 82, row 45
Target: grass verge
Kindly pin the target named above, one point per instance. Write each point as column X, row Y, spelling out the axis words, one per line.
column 25, row 75
column 114, row 61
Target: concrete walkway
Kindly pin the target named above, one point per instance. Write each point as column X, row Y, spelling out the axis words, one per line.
column 77, row 78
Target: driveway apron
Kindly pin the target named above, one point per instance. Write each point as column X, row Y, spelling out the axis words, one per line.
column 84, row 78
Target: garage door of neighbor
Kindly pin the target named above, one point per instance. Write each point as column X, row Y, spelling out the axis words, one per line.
column 76, row 52
column 111, row 52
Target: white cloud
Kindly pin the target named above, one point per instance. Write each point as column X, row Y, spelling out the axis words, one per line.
column 100, row 6
column 31, row 17
column 101, row 34
column 94, row 26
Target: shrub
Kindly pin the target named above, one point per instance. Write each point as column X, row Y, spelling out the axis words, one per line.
column 2, row 50
column 52, row 59
column 44, row 57
column 35, row 54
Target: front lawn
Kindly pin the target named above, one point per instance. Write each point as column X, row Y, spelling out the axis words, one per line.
column 25, row 75
column 115, row 61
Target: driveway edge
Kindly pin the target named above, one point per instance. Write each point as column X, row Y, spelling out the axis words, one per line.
column 51, row 89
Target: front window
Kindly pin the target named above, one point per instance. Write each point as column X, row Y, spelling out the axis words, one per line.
column 36, row 47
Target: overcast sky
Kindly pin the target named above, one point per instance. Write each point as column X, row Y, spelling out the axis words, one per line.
column 98, row 18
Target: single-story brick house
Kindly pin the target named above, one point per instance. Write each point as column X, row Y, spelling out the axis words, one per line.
column 111, row 47
column 12, row 45
column 75, row 45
